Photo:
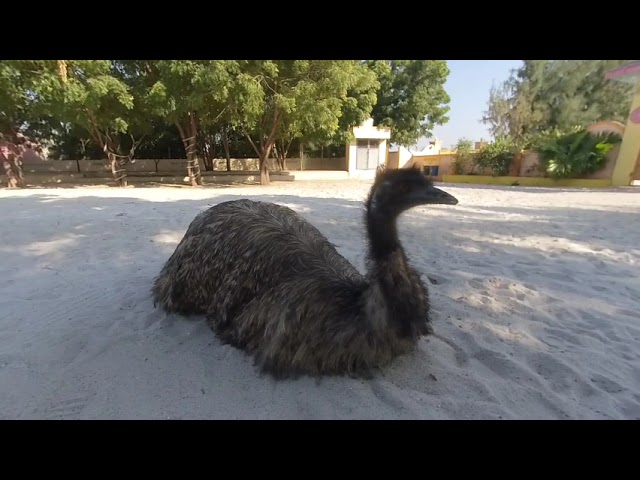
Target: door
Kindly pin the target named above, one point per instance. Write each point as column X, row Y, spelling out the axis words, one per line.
column 367, row 154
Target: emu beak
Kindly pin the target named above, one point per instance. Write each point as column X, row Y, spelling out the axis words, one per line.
column 433, row 195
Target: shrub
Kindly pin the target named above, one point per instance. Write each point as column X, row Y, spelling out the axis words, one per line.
column 464, row 148
column 575, row 153
column 497, row 156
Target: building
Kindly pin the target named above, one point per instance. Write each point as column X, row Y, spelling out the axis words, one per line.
column 627, row 168
column 368, row 150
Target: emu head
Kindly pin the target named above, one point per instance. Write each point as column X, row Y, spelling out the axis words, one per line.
column 397, row 190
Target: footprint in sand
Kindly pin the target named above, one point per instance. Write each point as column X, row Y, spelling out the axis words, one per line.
column 607, row 384
column 628, row 313
column 564, row 336
column 558, row 375
column 67, row 408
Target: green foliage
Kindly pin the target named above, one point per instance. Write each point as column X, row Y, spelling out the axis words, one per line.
column 314, row 100
column 18, row 102
column 497, row 156
column 412, row 99
column 545, row 94
column 176, row 88
column 94, row 98
column 464, row 149
column 573, row 154
column 358, row 105
column 13, row 98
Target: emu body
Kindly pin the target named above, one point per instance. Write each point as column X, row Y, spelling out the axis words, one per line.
column 270, row 283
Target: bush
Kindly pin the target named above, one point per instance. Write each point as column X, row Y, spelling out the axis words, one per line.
column 497, row 156
column 575, row 153
column 464, row 148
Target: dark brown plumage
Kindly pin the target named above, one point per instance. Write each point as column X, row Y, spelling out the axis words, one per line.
column 270, row 283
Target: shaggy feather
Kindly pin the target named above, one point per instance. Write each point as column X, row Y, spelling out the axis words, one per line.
column 270, row 283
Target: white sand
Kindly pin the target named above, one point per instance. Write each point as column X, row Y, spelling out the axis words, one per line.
column 535, row 308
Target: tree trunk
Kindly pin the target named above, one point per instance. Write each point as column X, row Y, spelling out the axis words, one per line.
column 278, row 155
column 114, row 161
column 62, row 70
column 118, row 169
column 281, row 156
column 264, row 169
column 208, row 151
column 188, row 135
column 11, row 155
column 14, row 173
column 225, row 144
column 208, row 163
column 264, row 162
column 193, row 167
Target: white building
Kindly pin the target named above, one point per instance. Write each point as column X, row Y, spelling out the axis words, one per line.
column 368, row 150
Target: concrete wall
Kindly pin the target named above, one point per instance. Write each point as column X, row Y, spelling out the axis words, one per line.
column 444, row 163
column 400, row 158
column 173, row 171
column 393, row 159
column 177, row 165
column 404, row 157
column 367, row 131
column 251, row 164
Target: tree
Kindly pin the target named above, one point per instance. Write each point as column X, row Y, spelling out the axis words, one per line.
column 517, row 108
column 18, row 112
column 300, row 99
column 189, row 94
column 464, row 156
column 580, row 94
column 91, row 95
column 544, row 94
column 412, row 99
column 497, row 113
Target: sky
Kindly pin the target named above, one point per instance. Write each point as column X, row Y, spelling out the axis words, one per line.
column 468, row 85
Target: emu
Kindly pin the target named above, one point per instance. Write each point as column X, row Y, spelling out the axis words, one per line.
column 271, row 284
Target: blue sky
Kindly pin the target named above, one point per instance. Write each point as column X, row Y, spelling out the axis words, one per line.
column 468, row 86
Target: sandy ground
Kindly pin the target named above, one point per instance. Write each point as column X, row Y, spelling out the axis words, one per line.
column 535, row 300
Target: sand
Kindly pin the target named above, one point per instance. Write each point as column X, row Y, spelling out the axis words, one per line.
column 535, row 305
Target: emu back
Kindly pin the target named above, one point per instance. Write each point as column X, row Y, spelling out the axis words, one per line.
column 235, row 250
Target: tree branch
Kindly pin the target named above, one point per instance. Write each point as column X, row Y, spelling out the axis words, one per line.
column 134, row 145
column 274, row 129
column 251, row 141
column 182, row 133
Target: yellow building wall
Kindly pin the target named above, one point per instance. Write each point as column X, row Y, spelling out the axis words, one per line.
column 630, row 147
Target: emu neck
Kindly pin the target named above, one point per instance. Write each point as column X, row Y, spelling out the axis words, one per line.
column 392, row 286
column 383, row 235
